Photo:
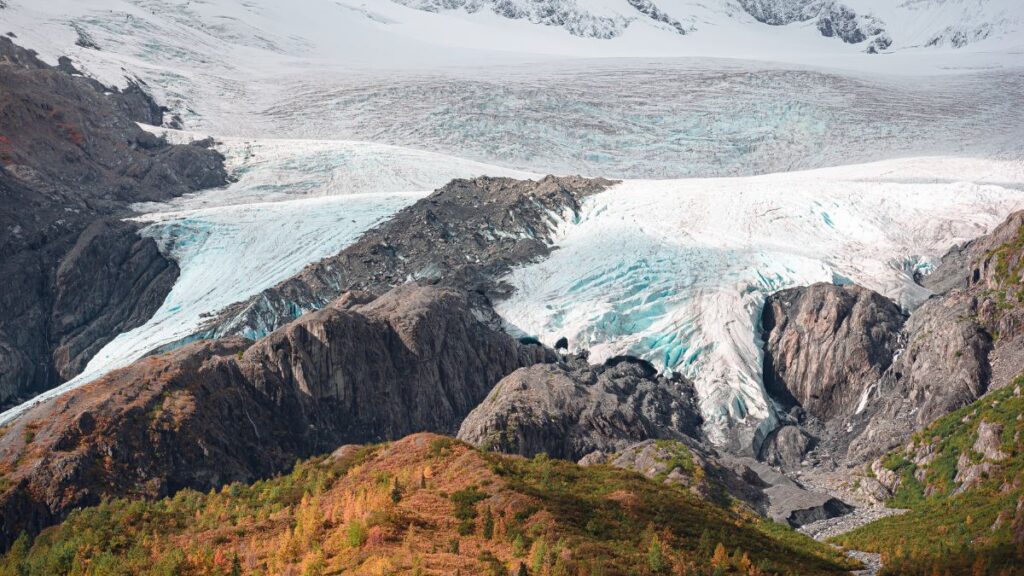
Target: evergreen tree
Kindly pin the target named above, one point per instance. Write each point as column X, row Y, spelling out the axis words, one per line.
column 488, row 528
column 655, row 557
column 236, row 565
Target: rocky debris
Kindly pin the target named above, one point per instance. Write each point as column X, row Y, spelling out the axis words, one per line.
column 786, row 447
column 691, row 464
column 970, row 474
column 888, row 479
column 872, row 562
column 215, row 412
column 466, row 234
column 826, row 344
column 72, row 161
column 788, row 501
column 571, row 409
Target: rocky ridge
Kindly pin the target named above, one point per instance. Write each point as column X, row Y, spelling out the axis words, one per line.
column 466, row 234
column 72, row 161
column 214, row 412
column 859, row 384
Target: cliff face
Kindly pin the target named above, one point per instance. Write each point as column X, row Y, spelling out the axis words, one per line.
column 72, row 160
column 825, row 344
column 219, row 411
column 865, row 380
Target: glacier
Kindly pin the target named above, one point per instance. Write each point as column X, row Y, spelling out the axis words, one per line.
column 676, row 271
column 334, row 114
column 293, row 203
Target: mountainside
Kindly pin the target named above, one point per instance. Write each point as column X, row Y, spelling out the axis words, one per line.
column 72, row 160
column 699, row 269
column 220, row 411
column 962, row 477
column 425, row 505
column 860, row 378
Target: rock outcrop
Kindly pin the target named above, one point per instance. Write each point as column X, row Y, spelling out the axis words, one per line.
column 569, row 410
column 825, row 344
column 72, row 161
column 214, row 412
column 624, row 414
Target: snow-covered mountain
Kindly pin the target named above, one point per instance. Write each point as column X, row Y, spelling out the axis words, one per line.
column 876, row 26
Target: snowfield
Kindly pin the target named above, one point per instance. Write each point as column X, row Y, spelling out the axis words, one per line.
column 648, row 103
column 676, row 271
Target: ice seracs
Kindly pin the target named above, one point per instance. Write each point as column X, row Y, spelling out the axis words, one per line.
column 676, row 271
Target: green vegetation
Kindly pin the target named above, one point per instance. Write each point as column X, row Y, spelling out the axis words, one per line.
column 424, row 505
column 949, row 530
column 619, row 520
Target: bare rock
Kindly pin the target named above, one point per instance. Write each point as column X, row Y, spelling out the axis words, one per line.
column 72, row 161
column 825, row 344
column 466, row 234
column 220, row 411
column 570, row 410
column 786, row 446
column 989, row 442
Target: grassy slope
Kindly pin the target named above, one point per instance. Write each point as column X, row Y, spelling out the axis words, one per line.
column 424, row 505
column 980, row 530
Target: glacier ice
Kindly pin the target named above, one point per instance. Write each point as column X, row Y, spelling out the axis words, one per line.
column 676, row 271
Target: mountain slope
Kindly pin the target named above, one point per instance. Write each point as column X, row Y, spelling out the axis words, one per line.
column 962, row 478
column 676, row 272
column 424, row 505
column 72, row 161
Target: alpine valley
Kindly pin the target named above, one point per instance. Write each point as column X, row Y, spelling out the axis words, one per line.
column 511, row 287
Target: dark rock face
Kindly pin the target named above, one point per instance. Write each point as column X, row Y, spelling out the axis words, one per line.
column 649, row 9
column 786, row 446
column 953, row 349
column 72, row 160
column 465, row 234
column 833, row 20
column 569, row 410
column 214, row 412
column 111, row 281
column 825, row 344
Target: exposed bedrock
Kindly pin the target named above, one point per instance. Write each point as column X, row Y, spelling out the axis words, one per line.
column 863, row 381
column 571, row 409
column 858, row 379
column 624, row 414
column 213, row 412
column 72, row 161
column 825, row 344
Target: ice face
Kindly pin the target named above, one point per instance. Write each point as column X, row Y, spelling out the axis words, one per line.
column 677, row 271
